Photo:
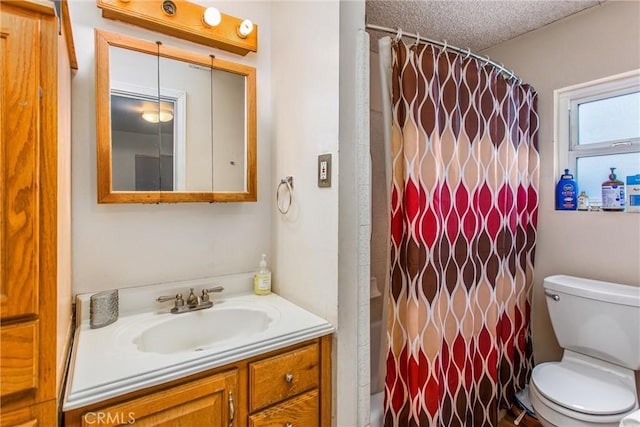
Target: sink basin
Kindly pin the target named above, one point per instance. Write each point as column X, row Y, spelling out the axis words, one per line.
column 198, row 330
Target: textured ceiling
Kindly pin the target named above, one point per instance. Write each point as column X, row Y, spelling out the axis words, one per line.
column 476, row 24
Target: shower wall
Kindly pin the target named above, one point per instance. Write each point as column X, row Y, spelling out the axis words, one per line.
column 379, row 215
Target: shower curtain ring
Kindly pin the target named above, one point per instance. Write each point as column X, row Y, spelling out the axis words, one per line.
column 468, row 53
column 398, row 34
column 446, row 44
column 417, row 39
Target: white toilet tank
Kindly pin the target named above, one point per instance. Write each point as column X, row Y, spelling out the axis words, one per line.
column 598, row 319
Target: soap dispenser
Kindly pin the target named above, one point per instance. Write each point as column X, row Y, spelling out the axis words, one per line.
column 613, row 193
column 262, row 278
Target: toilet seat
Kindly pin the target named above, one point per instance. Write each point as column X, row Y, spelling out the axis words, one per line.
column 582, row 388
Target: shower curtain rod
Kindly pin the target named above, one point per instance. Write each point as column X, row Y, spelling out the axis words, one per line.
column 398, row 32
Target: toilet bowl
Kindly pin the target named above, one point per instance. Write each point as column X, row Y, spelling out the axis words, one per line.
column 597, row 325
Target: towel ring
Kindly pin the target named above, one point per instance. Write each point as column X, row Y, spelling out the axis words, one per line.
column 288, row 181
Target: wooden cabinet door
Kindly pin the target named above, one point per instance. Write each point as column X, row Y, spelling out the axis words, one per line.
column 19, row 149
column 40, row 415
column 19, row 358
column 209, row 402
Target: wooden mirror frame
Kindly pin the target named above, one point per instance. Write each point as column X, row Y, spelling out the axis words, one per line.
column 106, row 194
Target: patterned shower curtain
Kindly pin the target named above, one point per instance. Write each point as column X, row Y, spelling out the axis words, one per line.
column 464, row 203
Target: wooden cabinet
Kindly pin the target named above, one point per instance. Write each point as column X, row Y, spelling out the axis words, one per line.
column 35, row 311
column 19, row 144
column 290, row 387
column 19, row 361
column 205, row 402
column 39, row 415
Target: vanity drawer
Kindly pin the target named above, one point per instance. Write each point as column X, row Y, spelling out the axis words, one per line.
column 301, row 411
column 280, row 377
column 19, row 358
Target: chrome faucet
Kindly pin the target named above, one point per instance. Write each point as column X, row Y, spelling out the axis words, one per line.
column 193, row 302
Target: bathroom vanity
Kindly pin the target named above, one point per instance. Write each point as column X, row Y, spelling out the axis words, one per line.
column 288, row 387
column 247, row 361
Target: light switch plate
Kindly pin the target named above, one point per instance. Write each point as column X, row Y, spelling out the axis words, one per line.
column 324, row 170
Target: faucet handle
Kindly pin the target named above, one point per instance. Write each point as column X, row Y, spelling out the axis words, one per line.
column 176, row 297
column 205, row 292
column 179, row 302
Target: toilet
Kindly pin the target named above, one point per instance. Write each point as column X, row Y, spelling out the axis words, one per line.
column 598, row 326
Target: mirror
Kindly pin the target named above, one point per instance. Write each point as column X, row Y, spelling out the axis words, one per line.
column 172, row 125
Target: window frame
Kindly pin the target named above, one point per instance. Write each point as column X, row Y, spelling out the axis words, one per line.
column 566, row 101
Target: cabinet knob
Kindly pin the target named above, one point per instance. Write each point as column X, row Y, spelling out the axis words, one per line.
column 288, row 377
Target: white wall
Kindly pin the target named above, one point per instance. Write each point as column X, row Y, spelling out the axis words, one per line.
column 305, row 102
column 131, row 244
column 304, row 70
column 598, row 42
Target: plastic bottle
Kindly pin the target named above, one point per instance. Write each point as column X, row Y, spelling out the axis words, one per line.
column 262, row 278
column 583, row 202
column 613, row 194
column 566, row 193
column 633, row 193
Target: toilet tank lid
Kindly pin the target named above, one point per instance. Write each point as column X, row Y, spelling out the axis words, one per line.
column 595, row 289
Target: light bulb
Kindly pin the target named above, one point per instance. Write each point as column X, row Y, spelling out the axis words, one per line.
column 245, row 28
column 212, row 16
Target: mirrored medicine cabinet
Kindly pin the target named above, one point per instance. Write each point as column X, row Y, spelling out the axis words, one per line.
column 172, row 125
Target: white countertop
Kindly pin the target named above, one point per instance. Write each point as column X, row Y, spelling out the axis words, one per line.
column 107, row 362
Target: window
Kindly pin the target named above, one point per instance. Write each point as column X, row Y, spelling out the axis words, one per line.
column 598, row 127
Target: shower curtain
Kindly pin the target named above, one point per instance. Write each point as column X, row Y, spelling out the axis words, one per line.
column 464, row 200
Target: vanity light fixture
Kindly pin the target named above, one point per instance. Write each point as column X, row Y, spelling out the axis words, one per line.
column 211, row 17
column 169, row 8
column 154, row 117
column 245, row 28
column 186, row 20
